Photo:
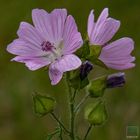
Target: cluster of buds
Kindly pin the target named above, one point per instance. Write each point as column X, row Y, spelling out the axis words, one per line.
column 96, row 113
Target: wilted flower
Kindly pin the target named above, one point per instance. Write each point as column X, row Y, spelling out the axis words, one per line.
column 52, row 40
column 116, row 55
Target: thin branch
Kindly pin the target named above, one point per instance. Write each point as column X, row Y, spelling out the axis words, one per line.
column 60, row 123
column 89, row 129
column 81, row 103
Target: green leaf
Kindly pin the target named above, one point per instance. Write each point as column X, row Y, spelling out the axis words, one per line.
column 95, row 113
column 97, row 87
column 43, row 104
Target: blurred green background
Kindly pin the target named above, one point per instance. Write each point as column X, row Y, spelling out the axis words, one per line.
column 17, row 83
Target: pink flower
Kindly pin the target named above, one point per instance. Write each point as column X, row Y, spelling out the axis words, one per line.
column 52, row 40
column 115, row 55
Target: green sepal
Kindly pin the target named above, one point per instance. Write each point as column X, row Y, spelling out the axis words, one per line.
column 100, row 63
column 95, row 51
column 97, row 87
column 84, row 51
column 91, row 53
column 76, row 82
column 96, row 113
column 43, row 104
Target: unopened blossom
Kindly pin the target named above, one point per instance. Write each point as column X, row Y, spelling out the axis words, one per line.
column 115, row 80
column 85, row 69
column 117, row 54
column 51, row 41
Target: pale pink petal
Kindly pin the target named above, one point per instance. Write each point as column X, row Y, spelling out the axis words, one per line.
column 120, row 47
column 91, row 23
column 28, row 43
column 117, row 55
column 68, row 63
column 58, row 22
column 32, row 63
column 102, row 18
column 30, row 35
column 19, row 47
column 54, row 74
column 105, row 32
column 119, row 60
column 41, row 20
column 50, row 25
column 121, row 67
column 23, row 48
column 72, row 38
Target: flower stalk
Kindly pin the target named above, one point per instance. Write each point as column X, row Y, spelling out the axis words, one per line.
column 72, row 107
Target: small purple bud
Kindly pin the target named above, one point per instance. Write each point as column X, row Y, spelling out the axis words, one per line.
column 86, row 67
column 116, row 80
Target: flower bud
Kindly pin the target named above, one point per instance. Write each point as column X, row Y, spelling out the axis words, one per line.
column 43, row 104
column 115, row 80
column 95, row 113
column 97, row 87
column 85, row 68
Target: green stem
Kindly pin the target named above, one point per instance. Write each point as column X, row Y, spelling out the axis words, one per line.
column 89, row 129
column 60, row 123
column 81, row 103
column 60, row 133
column 72, row 120
column 74, row 94
column 72, row 106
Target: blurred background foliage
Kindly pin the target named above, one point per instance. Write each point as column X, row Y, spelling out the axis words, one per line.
column 17, row 83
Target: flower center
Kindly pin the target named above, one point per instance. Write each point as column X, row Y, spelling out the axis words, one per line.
column 47, row 46
column 52, row 51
